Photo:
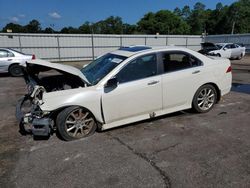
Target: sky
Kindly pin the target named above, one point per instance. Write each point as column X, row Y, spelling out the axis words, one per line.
column 61, row 13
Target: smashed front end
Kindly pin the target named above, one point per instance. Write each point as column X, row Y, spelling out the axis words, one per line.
column 32, row 119
column 43, row 77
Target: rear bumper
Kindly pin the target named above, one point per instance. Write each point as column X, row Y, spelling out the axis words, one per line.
column 225, row 91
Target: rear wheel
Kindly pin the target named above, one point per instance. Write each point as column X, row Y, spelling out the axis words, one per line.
column 204, row 98
column 240, row 57
column 75, row 123
column 15, row 70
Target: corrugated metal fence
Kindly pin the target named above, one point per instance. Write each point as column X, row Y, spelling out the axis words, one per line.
column 236, row 38
column 72, row 47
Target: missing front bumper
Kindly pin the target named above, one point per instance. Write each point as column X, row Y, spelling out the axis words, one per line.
column 38, row 126
column 41, row 127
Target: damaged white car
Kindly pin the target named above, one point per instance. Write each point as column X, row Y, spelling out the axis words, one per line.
column 121, row 87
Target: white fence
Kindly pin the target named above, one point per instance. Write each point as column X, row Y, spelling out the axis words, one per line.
column 68, row 47
column 236, row 38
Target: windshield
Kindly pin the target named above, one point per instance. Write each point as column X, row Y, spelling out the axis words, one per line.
column 219, row 46
column 100, row 67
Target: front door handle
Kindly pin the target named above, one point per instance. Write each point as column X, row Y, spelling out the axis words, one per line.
column 153, row 82
column 195, row 72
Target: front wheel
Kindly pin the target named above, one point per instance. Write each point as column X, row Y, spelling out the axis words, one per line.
column 204, row 98
column 75, row 123
column 15, row 70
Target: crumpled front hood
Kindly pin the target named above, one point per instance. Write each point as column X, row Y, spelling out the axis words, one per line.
column 209, row 46
column 59, row 67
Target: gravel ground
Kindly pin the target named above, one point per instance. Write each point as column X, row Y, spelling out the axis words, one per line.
column 177, row 150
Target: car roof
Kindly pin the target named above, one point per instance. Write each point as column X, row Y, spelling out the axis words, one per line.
column 132, row 50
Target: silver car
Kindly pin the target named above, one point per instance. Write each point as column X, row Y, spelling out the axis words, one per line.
column 10, row 60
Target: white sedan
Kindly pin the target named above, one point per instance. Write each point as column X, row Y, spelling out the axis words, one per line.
column 229, row 50
column 10, row 61
column 124, row 86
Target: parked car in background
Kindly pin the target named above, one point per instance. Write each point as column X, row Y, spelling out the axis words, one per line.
column 121, row 87
column 207, row 47
column 226, row 50
column 10, row 61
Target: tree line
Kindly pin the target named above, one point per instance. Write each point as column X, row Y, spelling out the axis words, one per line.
column 234, row 18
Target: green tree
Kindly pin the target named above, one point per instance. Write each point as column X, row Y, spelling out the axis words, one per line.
column 49, row 30
column 197, row 19
column 185, row 12
column 239, row 15
column 219, row 6
column 199, row 6
column 177, row 11
column 163, row 22
column 33, row 26
column 85, row 28
column 111, row 25
column 70, row 30
column 16, row 28
column 129, row 29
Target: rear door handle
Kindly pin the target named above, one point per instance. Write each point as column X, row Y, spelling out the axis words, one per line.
column 153, row 82
column 195, row 72
column 9, row 59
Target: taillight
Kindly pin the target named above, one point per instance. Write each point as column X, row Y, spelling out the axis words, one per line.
column 229, row 69
column 33, row 56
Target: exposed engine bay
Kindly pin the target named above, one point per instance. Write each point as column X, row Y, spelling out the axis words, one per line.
column 49, row 78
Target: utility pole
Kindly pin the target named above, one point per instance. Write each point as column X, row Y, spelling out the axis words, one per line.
column 92, row 42
column 233, row 28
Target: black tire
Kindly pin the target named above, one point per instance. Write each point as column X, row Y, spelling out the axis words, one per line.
column 81, row 128
column 218, row 55
column 240, row 57
column 15, row 70
column 208, row 101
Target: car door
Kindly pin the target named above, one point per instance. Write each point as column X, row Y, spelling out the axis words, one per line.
column 234, row 51
column 226, row 51
column 182, row 76
column 139, row 91
column 238, row 51
column 5, row 60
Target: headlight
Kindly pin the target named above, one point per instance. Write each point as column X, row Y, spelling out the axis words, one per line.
column 38, row 112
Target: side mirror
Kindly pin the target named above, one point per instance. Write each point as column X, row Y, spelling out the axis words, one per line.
column 111, row 83
column 225, row 49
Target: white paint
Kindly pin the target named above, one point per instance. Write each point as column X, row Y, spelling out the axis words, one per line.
column 134, row 101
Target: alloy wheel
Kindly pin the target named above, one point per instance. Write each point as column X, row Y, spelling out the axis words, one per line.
column 79, row 123
column 206, row 99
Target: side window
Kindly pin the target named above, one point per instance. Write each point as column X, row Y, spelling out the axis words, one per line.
column 3, row 53
column 141, row 67
column 10, row 54
column 228, row 46
column 174, row 61
column 233, row 46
